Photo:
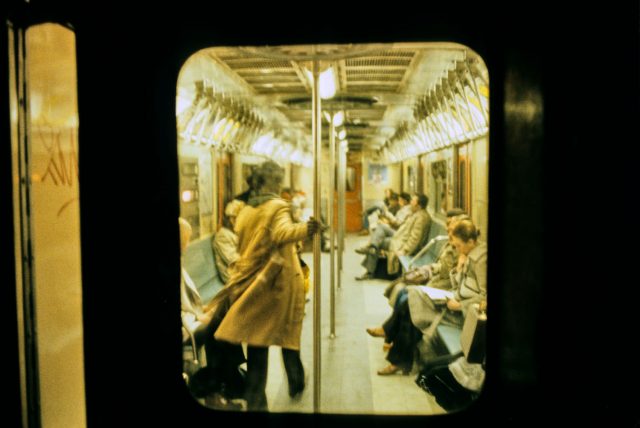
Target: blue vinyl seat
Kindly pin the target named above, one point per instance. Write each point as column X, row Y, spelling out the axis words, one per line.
column 199, row 262
column 435, row 240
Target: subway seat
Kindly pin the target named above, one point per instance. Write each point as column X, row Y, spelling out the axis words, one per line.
column 429, row 250
column 199, row 262
column 450, row 338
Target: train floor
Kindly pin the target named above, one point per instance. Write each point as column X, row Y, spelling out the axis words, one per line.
column 350, row 384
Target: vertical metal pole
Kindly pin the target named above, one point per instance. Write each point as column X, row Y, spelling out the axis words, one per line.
column 339, row 215
column 344, row 191
column 339, row 225
column 32, row 371
column 332, row 255
column 316, row 128
column 342, row 175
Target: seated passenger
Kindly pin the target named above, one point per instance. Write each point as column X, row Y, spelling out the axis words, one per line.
column 404, row 241
column 404, row 328
column 392, row 205
column 379, row 206
column 395, row 219
column 225, row 241
column 193, row 316
column 221, row 379
column 388, row 223
column 435, row 274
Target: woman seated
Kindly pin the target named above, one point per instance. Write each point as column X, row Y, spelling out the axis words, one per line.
column 378, row 206
column 435, row 274
column 225, row 241
column 394, row 219
column 404, row 328
column 192, row 312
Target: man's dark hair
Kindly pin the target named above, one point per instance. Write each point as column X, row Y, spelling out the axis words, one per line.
column 423, row 200
column 465, row 230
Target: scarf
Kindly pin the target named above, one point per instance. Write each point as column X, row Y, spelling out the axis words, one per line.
column 256, row 200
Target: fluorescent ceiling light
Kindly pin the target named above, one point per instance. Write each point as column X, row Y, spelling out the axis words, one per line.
column 338, row 118
column 327, row 82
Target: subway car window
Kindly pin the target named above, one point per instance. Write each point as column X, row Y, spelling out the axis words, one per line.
column 333, row 223
column 47, row 224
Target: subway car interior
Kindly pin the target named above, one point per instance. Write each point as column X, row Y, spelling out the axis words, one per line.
column 412, row 118
column 203, row 225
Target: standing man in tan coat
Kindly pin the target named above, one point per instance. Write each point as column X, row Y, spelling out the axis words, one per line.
column 265, row 294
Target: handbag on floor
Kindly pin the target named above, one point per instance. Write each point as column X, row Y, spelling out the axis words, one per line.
column 438, row 382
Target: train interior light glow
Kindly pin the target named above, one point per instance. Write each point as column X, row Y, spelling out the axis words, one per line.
column 327, row 82
column 412, row 118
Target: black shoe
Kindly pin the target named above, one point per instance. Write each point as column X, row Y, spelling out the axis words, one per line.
column 204, row 382
column 297, row 384
column 295, row 391
column 256, row 402
column 364, row 276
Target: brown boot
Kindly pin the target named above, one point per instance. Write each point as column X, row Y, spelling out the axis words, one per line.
column 376, row 331
column 391, row 369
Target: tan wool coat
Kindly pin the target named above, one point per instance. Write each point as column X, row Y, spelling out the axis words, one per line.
column 408, row 238
column 265, row 313
column 225, row 250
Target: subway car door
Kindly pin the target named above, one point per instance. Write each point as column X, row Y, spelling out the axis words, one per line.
column 44, row 169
